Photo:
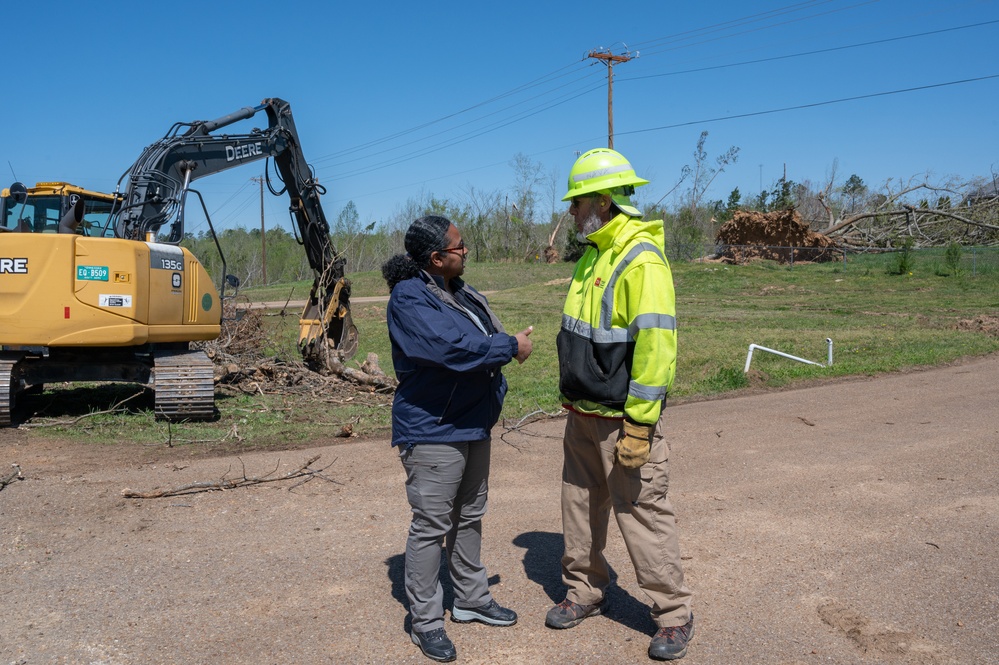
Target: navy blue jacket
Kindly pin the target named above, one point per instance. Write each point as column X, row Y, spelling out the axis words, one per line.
column 450, row 385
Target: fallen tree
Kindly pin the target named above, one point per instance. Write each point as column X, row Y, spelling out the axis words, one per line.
column 892, row 216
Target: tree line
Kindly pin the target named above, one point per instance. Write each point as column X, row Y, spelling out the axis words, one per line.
column 528, row 222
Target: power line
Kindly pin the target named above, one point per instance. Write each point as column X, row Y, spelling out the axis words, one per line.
column 720, row 27
column 692, row 122
column 540, row 107
column 815, row 52
column 812, row 105
column 447, row 136
column 469, row 136
column 744, row 20
column 390, row 142
column 458, row 140
column 521, row 88
column 554, row 76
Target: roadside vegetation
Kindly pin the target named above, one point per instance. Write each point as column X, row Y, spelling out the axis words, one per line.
column 879, row 322
column 915, row 285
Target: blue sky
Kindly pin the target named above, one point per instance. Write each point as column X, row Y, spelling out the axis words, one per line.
column 397, row 101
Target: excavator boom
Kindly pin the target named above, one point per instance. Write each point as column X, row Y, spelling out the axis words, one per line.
column 156, row 191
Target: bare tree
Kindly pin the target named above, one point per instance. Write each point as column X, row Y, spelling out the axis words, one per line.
column 559, row 215
column 704, row 174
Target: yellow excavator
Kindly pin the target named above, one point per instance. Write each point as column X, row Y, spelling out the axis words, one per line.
column 96, row 287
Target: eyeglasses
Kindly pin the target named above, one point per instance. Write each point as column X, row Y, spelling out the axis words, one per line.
column 575, row 200
column 459, row 249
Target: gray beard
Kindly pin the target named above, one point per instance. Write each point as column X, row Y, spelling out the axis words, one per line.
column 591, row 223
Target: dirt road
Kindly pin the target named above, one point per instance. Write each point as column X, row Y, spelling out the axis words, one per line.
column 853, row 522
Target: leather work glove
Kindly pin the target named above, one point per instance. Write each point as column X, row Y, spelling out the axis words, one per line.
column 633, row 446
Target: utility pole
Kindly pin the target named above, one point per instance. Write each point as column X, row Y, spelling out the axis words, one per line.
column 263, row 231
column 610, row 60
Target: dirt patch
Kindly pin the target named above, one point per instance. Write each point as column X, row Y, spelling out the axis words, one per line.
column 985, row 323
column 879, row 641
column 756, row 379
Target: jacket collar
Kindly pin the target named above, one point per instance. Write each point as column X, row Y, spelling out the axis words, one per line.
column 435, row 284
column 622, row 229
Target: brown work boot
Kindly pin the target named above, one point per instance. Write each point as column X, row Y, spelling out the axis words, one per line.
column 568, row 614
column 671, row 643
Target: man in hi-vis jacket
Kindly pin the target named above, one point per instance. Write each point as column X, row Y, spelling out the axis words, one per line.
column 617, row 359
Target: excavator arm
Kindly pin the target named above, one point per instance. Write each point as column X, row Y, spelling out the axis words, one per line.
column 156, row 189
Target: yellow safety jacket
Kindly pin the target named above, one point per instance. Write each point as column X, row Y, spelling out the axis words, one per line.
column 617, row 345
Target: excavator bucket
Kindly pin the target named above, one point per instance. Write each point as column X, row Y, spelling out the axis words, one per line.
column 325, row 327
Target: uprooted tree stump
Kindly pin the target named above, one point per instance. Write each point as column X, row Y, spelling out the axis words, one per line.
column 779, row 236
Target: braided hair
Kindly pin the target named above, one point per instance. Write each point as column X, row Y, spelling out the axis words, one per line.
column 425, row 236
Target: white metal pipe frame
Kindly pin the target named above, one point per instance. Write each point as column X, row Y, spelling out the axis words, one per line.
column 757, row 347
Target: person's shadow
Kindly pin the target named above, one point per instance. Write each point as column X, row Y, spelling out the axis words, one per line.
column 396, row 566
column 543, row 565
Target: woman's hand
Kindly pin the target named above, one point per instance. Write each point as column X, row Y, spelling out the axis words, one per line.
column 524, row 344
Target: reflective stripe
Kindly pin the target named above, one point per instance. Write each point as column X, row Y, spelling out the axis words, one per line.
column 577, row 326
column 608, row 334
column 599, row 172
column 648, row 393
column 585, row 330
column 607, row 301
column 651, row 322
column 642, row 322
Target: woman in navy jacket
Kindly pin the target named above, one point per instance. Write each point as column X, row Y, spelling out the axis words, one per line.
column 447, row 350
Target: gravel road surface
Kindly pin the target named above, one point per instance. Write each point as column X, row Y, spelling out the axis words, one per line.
column 850, row 522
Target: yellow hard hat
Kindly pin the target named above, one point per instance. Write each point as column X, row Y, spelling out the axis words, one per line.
column 605, row 170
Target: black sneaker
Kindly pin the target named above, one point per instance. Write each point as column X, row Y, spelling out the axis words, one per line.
column 671, row 643
column 568, row 614
column 491, row 613
column 435, row 645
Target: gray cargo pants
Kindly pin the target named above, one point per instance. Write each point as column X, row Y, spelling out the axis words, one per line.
column 446, row 484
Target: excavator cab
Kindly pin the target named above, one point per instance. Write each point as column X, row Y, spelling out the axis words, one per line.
column 56, row 207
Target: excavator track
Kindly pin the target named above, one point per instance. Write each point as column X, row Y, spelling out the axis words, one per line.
column 8, row 390
column 184, row 384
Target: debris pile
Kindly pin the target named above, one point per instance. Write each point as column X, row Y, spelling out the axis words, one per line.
column 779, row 236
column 240, row 363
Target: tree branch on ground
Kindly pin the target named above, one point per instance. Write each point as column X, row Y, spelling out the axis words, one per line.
column 529, row 419
column 68, row 423
column 304, row 473
column 232, row 433
column 15, row 475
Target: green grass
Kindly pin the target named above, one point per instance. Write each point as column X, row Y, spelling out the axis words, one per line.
column 878, row 323
column 484, row 277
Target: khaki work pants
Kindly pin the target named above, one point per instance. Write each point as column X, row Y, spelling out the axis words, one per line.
column 591, row 484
